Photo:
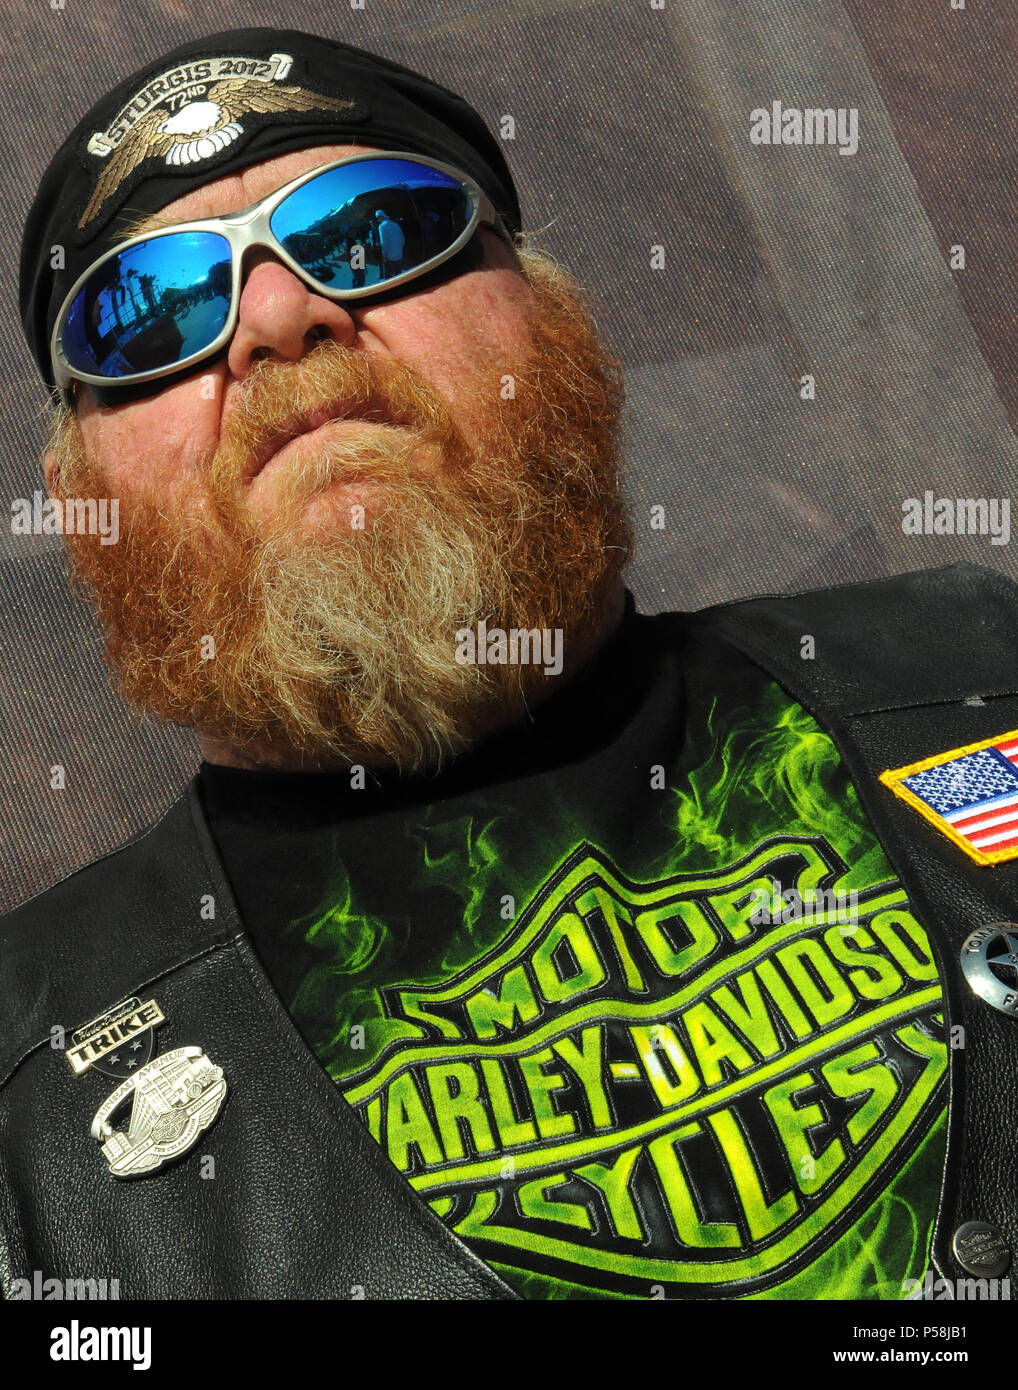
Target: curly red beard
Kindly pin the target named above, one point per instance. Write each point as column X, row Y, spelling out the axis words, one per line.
column 329, row 635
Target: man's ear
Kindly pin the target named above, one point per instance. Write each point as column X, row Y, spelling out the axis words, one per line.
column 51, row 472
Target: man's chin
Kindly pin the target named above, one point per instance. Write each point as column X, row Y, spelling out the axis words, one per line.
column 344, row 508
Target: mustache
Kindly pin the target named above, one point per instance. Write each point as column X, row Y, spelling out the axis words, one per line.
column 279, row 399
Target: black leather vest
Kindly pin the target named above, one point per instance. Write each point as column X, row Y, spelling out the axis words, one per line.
column 300, row 1202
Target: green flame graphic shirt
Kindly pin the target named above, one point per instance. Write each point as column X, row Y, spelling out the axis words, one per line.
column 630, row 995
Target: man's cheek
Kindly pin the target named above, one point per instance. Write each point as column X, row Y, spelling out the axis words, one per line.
column 150, row 460
column 499, row 317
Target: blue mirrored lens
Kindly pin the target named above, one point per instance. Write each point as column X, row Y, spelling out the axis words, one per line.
column 154, row 305
column 364, row 223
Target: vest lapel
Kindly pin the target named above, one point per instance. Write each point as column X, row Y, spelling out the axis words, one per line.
column 367, row 1209
column 901, row 670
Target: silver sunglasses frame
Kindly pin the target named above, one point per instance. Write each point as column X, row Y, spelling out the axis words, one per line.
column 250, row 228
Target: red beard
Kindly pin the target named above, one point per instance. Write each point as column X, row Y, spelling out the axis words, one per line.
column 308, row 634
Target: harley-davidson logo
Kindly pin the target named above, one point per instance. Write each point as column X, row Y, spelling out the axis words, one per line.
column 659, row 1083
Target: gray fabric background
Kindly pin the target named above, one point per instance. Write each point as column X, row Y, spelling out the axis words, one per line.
column 631, row 131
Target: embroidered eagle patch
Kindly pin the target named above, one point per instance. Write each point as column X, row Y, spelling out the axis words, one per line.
column 970, row 794
column 192, row 112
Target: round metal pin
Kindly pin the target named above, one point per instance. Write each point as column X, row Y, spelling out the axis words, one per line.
column 980, row 1250
column 989, row 958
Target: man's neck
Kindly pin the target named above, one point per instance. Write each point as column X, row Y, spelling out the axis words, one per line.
column 268, row 756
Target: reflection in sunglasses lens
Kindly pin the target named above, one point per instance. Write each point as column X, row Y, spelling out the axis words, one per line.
column 155, row 304
column 363, row 224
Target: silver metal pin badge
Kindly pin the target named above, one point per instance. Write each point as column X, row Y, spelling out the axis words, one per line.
column 167, row 1102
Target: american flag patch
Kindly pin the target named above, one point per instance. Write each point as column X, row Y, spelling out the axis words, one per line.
column 970, row 794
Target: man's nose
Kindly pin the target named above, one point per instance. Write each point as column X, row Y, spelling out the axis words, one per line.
column 280, row 315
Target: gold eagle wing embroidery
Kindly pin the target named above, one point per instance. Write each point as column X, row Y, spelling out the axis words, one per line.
column 230, row 98
column 251, row 95
column 145, row 140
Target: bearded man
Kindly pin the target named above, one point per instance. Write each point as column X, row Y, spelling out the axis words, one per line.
column 508, row 943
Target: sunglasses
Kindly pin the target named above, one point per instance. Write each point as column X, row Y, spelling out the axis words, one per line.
column 161, row 302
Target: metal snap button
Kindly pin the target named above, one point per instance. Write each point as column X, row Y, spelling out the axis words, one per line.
column 980, row 1249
